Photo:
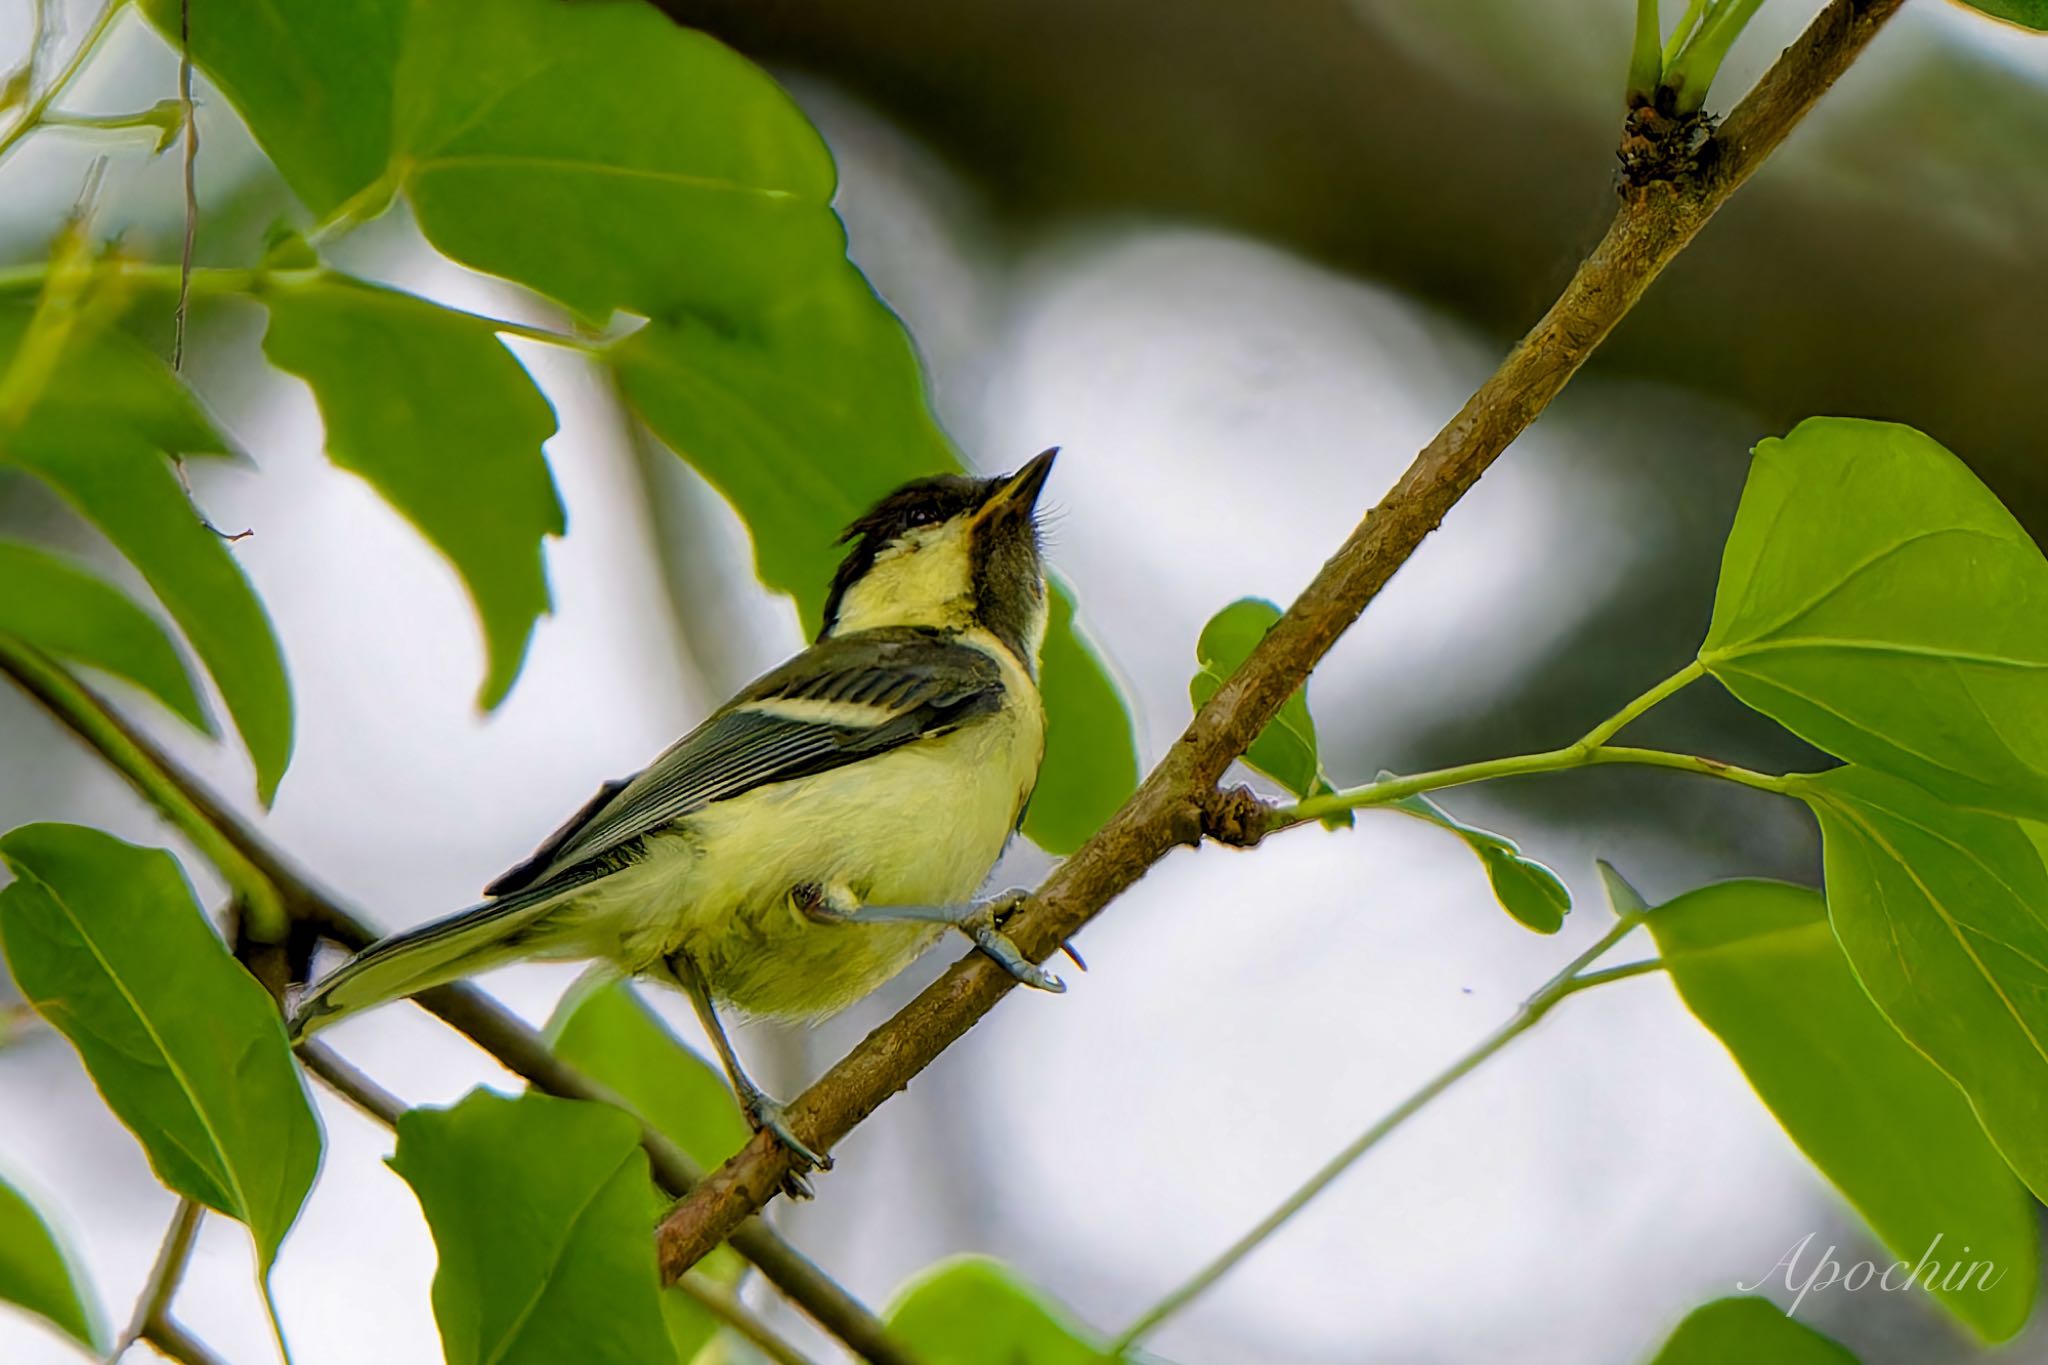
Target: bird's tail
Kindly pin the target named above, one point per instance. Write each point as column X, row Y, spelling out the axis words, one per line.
column 483, row 936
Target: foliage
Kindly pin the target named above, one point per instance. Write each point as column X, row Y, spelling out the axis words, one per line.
column 539, row 1209
column 974, row 1311
column 1747, row 1329
column 105, row 940
column 671, row 200
column 1754, row 961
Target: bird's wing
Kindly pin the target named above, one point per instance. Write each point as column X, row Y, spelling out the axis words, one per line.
column 844, row 699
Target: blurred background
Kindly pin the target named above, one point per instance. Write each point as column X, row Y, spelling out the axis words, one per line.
column 1240, row 261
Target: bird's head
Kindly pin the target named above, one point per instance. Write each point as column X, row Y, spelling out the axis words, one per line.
column 949, row 552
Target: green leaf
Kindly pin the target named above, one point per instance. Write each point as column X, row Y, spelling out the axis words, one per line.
column 1525, row 888
column 1941, row 911
column 541, row 1214
column 2031, row 14
column 973, row 1311
column 430, row 408
column 1756, row 963
column 605, row 155
column 802, row 423
column 1878, row 601
column 312, row 81
column 107, row 943
column 130, row 492
column 36, row 1275
column 1748, row 1329
column 1091, row 760
column 104, row 380
column 609, row 1033
column 1286, row 749
column 99, row 433
column 63, row 610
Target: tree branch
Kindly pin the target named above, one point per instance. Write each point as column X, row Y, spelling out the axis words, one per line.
column 192, row 807
column 1661, row 211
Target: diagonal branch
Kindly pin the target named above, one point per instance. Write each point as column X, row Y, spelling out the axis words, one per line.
column 190, row 806
column 1662, row 209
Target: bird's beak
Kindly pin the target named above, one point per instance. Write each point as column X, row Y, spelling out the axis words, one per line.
column 1020, row 491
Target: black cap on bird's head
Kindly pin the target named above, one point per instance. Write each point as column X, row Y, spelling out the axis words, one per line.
column 949, row 549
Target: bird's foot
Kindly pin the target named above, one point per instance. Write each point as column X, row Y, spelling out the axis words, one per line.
column 764, row 1111
column 983, row 923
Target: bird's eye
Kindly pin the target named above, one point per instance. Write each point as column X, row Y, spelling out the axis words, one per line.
column 922, row 516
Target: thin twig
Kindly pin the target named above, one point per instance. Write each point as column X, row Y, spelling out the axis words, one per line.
column 191, row 184
column 723, row 1304
column 154, row 1306
column 1660, row 213
column 1568, row 982
column 352, row 1085
column 175, row 1343
column 196, row 811
column 32, row 116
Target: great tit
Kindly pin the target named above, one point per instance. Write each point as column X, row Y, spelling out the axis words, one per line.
column 822, row 828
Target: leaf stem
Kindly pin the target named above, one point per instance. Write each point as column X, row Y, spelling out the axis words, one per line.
column 32, row 115
column 1646, row 62
column 1691, row 74
column 1572, row 979
column 1592, row 750
column 54, row 687
column 1627, row 715
column 1687, row 22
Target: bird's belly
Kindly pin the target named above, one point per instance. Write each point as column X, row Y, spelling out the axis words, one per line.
column 920, row 825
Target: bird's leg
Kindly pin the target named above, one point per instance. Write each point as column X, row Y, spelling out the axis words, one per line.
column 762, row 1109
column 981, row 921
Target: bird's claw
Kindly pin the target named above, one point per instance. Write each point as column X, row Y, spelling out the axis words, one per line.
column 984, row 927
column 764, row 1112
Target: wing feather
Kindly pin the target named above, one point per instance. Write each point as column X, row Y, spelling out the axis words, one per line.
column 891, row 687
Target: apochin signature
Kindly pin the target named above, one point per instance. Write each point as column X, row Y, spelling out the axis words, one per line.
column 1827, row 1272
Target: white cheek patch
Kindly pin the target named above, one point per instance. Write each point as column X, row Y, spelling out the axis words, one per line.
column 912, row 581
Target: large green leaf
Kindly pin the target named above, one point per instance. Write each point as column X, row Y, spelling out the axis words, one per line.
column 541, row 1212
column 805, row 422
column 107, row 943
column 36, row 1275
column 1880, row 602
column 313, row 81
column 1944, row 914
column 1286, row 749
column 428, row 406
column 130, row 492
column 1733, row 1330
column 1530, row 892
column 1756, row 962
column 609, row 1033
column 611, row 158
column 975, row 1311
column 65, row 611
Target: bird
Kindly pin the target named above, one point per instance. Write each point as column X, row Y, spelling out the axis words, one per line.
column 824, row 827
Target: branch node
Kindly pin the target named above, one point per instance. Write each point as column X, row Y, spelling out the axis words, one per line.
column 1660, row 146
column 1238, row 816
